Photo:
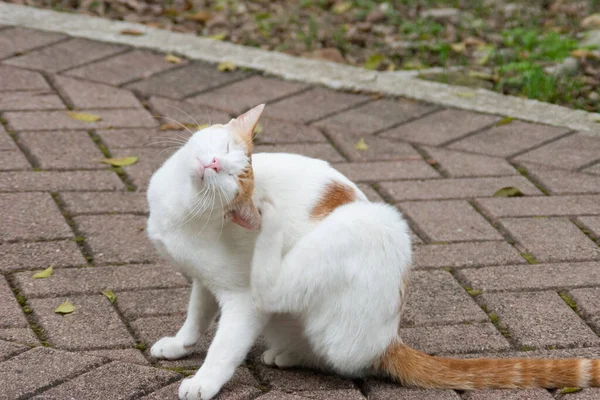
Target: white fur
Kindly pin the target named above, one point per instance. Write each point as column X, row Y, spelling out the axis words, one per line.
column 326, row 294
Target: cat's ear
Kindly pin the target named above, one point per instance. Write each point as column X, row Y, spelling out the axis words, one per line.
column 245, row 215
column 245, row 124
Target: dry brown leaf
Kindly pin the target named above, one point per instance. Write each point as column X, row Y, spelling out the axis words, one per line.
column 132, row 32
column 200, row 16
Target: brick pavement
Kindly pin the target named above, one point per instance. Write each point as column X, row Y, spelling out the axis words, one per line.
column 495, row 276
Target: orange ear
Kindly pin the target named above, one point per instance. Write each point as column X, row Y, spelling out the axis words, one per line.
column 244, row 125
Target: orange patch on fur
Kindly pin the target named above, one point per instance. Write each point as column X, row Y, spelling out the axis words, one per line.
column 336, row 194
column 595, row 373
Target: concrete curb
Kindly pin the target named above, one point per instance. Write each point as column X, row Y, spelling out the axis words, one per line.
column 325, row 73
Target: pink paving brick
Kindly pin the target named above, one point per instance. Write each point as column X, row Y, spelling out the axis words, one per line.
column 449, row 221
column 591, row 223
column 379, row 390
column 532, row 277
column 19, row 40
column 117, row 238
column 434, row 297
column 123, row 68
column 94, row 323
column 60, row 120
column 293, row 381
column 312, row 105
column 31, row 216
column 83, row 94
column 371, row 193
column 152, row 302
column 455, row 339
column 239, row 97
column 440, row 127
column 173, row 111
column 516, row 394
column 20, row 335
column 126, row 355
column 149, row 160
column 509, row 139
column 38, row 100
column 323, row 151
column 375, row 116
column 64, row 55
column 39, row 255
column 186, row 81
column 62, row 149
column 388, row 170
column 104, row 202
column 20, row 79
column 378, row 149
column 460, row 164
column 466, row 255
column 552, row 239
column 282, row 132
column 588, row 302
column 6, row 142
column 570, row 152
column 540, row 206
column 94, row 280
column 13, row 161
column 459, row 188
column 12, row 315
column 557, row 181
column 540, row 319
column 150, row 329
column 8, row 349
column 57, row 181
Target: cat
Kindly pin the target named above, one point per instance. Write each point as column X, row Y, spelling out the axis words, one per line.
column 287, row 246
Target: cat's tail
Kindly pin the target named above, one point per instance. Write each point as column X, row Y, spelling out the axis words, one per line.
column 413, row 368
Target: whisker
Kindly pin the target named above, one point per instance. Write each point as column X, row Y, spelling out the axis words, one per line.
column 183, row 111
column 177, row 122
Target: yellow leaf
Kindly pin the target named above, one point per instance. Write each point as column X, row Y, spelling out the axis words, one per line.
column 200, row 16
column 361, row 145
column 504, row 121
column 342, row 7
column 65, row 308
column 120, row 162
column 567, row 390
column 508, row 191
column 110, row 296
column 374, row 61
column 43, row 274
column 132, row 32
column 83, row 116
column 218, row 36
column 258, row 129
column 465, row 94
column 200, row 127
column 226, row 66
column 173, row 59
column 458, row 47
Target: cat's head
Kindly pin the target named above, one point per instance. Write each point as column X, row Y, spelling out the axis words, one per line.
column 218, row 159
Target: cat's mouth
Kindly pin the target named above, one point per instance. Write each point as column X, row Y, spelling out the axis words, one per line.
column 211, row 169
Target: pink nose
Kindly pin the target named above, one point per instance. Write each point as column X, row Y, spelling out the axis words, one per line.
column 214, row 165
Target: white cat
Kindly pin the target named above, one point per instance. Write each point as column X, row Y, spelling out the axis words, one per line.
column 322, row 274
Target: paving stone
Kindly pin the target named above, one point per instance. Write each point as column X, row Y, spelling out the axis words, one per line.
column 540, row 319
column 532, row 277
column 97, row 279
column 375, row 116
column 282, row 132
column 136, row 138
column 292, row 380
column 387, row 170
column 593, row 223
column 459, row 188
column 509, row 139
column 20, row 335
column 40, row 100
column 239, row 97
column 557, row 181
column 371, row 193
column 516, row 394
column 341, row 394
column 233, row 390
column 126, row 355
column 62, row 149
column 59, row 181
column 571, row 152
column 150, row 329
column 65, row 55
column 585, row 394
column 452, row 339
column 277, row 395
column 588, row 302
column 449, row 221
column 594, row 169
column 94, row 323
column 115, row 380
column 323, row 151
column 460, row 164
column 12, row 315
column 186, row 81
column 20, row 79
column 312, row 105
column 454, row 255
column 541, row 206
column 149, row 160
column 167, row 393
column 104, row 202
column 391, row 391
column 48, row 366
column 441, row 127
column 379, row 149
column 13, row 161
column 152, row 302
column 31, row 216
column 20, row 40
column 123, row 68
column 85, row 94
column 8, row 349
column 434, row 297
column 186, row 113
column 6, row 142
column 60, row 120
column 552, row 239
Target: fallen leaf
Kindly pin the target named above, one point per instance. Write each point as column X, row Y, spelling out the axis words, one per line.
column 374, row 61
column 481, row 75
column 459, row 47
column 110, row 296
column 200, row 127
column 582, row 53
column 44, row 274
column 258, row 129
column 173, row 59
column 120, row 162
column 465, row 94
column 132, row 32
column 342, row 7
column 200, row 16
column 84, row 116
column 570, row 390
column 361, row 145
column 508, row 191
column 65, row 308
column 218, row 36
column 504, row 121
column 484, row 52
column 226, row 66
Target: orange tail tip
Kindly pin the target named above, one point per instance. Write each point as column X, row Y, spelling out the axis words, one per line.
column 413, row 368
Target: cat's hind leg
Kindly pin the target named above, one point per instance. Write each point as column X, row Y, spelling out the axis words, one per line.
column 202, row 309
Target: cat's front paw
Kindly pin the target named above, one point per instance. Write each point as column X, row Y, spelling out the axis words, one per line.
column 270, row 218
column 197, row 388
column 171, row 348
